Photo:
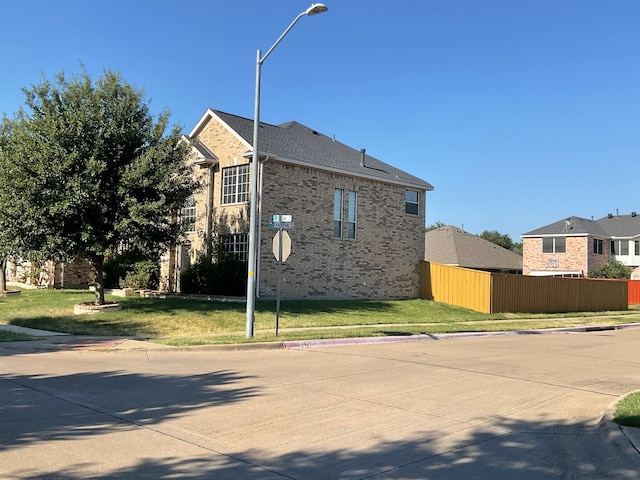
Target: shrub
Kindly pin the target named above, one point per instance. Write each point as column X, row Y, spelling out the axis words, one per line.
column 226, row 277
column 131, row 271
column 614, row 269
column 143, row 275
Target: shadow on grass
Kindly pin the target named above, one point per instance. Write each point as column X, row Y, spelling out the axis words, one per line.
column 134, row 318
column 290, row 307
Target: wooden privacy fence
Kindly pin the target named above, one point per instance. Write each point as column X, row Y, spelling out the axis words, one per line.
column 498, row 292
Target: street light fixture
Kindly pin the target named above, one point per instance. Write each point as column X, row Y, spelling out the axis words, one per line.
column 314, row 9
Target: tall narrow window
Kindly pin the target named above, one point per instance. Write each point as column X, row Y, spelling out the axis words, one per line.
column 188, row 214
column 411, row 202
column 598, row 246
column 235, row 184
column 352, row 215
column 337, row 213
column 560, row 245
column 636, row 247
column 624, row 247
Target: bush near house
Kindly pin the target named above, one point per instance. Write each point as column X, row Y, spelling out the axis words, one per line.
column 226, row 277
column 614, row 269
column 130, row 271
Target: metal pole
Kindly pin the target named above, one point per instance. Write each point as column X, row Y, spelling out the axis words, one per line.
column 253, row 220
column 279, row 278
column 251, row 277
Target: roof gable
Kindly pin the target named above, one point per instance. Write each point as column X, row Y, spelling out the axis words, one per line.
column 293, row 142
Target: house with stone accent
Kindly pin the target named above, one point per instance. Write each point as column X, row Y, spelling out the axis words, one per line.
column 451, row 245
column 574, row 246
column 357, row 222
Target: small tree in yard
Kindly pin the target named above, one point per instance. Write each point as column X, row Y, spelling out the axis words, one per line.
column 96, row 171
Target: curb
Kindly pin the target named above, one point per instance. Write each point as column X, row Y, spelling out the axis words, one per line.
column 619, row 434
column 140, row 343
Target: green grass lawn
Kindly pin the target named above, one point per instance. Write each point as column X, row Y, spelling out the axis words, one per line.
column 180, row 321
column 628, row 411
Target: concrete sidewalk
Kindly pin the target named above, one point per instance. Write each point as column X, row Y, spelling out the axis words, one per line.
column 34, row 332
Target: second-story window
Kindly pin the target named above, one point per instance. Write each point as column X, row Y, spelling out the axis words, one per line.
column 411, row 202
column 598, row 244
column 188, row 214
column 620, row 247
column 337, row 212
column 235, row 184
column 352, row 214
column 554, row 245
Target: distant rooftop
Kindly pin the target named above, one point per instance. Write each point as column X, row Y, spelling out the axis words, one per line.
column 451, row 245
column 609, row 226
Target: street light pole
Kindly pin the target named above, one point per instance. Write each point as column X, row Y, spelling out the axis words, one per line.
column 253, row 220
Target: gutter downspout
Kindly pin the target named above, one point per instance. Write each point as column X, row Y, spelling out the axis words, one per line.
column 208, row 226
column 586, row 263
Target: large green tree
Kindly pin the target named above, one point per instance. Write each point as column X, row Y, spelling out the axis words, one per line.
column 11, row 208
column 434, row 226
column 96, row 170
column 502, row 239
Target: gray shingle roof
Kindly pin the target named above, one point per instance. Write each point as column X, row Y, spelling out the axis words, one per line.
column 452, row 246
column 295, row 142
column 609, row 226
column 621, row 225
column 570, row 226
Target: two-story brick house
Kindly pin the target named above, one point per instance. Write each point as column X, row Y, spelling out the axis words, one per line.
column 358, row 223
column 574, row 246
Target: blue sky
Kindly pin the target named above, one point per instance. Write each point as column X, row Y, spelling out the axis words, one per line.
column 519, row 112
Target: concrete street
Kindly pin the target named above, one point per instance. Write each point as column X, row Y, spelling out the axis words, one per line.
column 506, row 407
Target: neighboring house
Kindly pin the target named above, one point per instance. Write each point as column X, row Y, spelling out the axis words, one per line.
column 575, row 246
column 451, row 245
column 358, row 223
column 48, row 274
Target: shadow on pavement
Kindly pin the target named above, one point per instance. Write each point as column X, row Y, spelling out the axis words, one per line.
column 55, row 409
column 482, row 455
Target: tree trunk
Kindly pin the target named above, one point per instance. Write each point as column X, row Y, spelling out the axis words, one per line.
column 3, row 276
column 97, row 262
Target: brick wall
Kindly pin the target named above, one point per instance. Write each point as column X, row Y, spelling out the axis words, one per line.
column 229, row 149
column 382, row 262
column 71, row 275
column 579, row 256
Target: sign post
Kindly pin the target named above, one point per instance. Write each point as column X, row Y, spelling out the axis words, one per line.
column 281, row 250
